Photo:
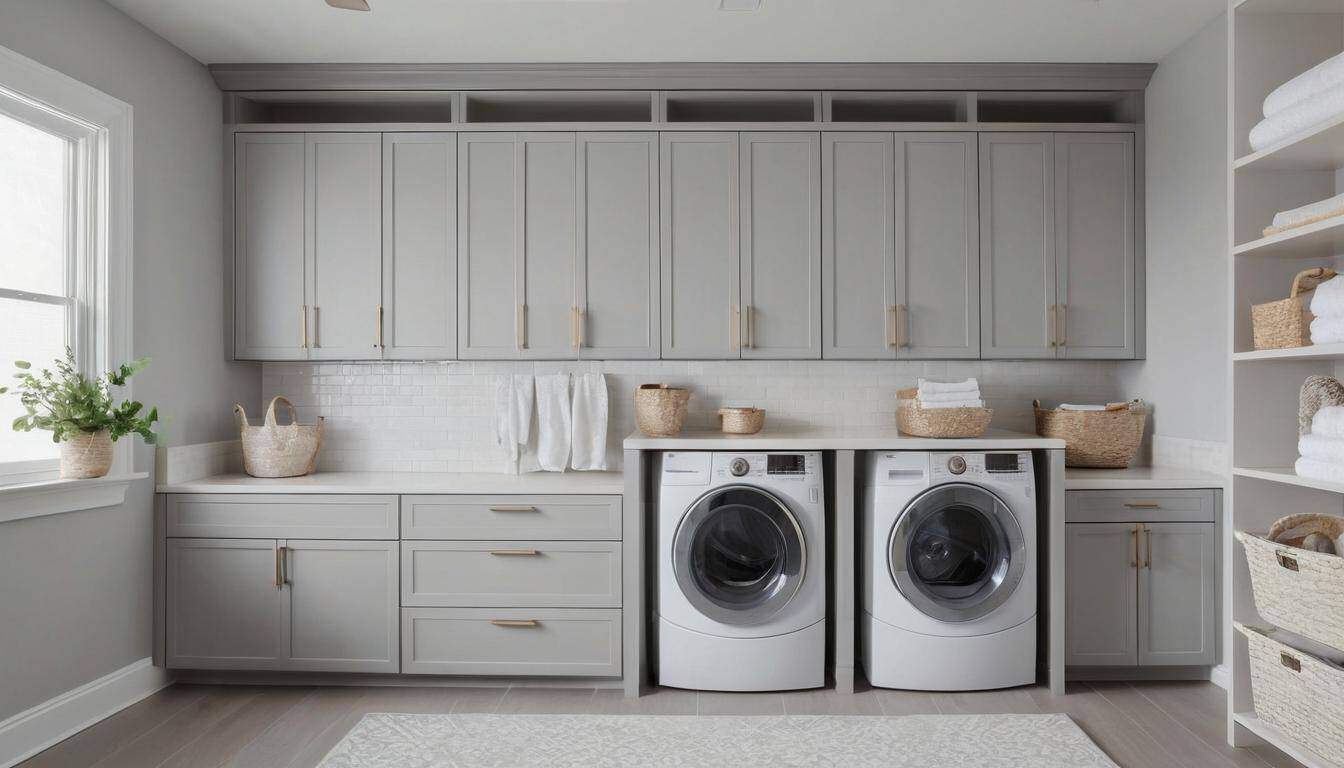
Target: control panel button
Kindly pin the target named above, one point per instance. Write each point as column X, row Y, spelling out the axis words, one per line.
column 956, row 465
column 739, row 467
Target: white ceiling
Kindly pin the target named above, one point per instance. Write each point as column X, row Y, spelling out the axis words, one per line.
column 444, row 31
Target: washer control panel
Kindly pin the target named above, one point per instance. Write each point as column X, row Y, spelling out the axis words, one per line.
column 803, row 466
column 981, row 466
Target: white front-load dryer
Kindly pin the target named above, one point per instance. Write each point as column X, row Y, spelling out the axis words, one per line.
column 741, row 551
column 948, row 570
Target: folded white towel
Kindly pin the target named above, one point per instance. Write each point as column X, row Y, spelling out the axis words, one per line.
column 513, row 415
column 1072, row 407
column 1327, row 330
column 589, row 431
column 948, row 397
column 973, row 402
column 1327, row 300
column 1319, row 78
column 553, row 422
column 1322, row 448
column 1298, row 118
column 1308, row 212
column 1320, row 470
column 1329, row 421
column 928, row 387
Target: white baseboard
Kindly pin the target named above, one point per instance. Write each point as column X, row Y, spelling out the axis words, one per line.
column 56, row 719
column 1221, row 676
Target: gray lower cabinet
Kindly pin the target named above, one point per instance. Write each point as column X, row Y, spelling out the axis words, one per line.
column 1101, row 594
column 342, row 606
column 1177, row 594
column 564, row 574
column 270, row 316
column 224, row 604
column 511, row 641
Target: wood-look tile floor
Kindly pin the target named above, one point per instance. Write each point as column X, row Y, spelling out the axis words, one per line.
column 1140, row 725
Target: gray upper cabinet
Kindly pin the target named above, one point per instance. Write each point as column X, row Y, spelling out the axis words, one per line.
column 1176, row 595
column 701, row 313
column 1094, row 244
column 344, row 213
column 858, row 246
column 489, row 200
column 1017, row 245
column 780, row 219
column 270, row 316
column 342, row 601
column 419, row 306
column 617, row 294
column 937, row 246
column 1101, row 594
column 545, row 273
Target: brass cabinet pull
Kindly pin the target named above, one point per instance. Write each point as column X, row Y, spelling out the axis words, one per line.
column 515, row 622
column 512, row 508
column 279, row 558
column 1290, row 662
column 890, row 330
column 1134, row 535
column 1063, row 325
column 317, row 327
column 574, row 327
column 1143, row 505
column 902, row 326
column 1051, row 320
column 513, row 552
column 522, row 326
column 284, row 566
column 303, row 326
column 751, row 327
column 378, row 324
column 735, row 327
column 1286, row 561
column 1148, row 547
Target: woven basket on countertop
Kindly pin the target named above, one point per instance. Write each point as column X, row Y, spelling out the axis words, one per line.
column 939, row 422
column 1286, row 323
column 279, row 450
column 742, row 421
column 1300, row 590
column 660, row 410
column 1104, row 439
column 1297, row 688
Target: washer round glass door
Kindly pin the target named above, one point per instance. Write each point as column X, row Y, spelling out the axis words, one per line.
column 956, row 552
column 739, row 555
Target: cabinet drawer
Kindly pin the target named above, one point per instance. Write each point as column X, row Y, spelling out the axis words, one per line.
column 282, row 516
column 511, row 641
column 1139, row 506
column 512, row 518
column 511, row 573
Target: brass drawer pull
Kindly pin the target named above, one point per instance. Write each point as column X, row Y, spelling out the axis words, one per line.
column 1290, row 662
column 522, row 552
column 1143, row 505
column 510, row 508
column 515, row 622
column 1286, row 561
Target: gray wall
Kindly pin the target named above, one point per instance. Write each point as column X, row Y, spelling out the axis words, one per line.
column 1185, row 373
column 75, row 589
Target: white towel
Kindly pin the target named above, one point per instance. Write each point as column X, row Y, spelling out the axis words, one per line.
column 589, row 431
column 1072, row 407
column 1327, row 330
column 948, row 397
column 553, row 422
column 1328, row 421
column 1298, row 118
column 1322, row 448
column 1307, row 212
column 928, row 388
column 1328, row 299
column 513, row 415
column 1319, row 470
column 1319, row 78
column 962, row 403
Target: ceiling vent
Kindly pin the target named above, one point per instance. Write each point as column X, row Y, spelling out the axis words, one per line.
column 739, row 5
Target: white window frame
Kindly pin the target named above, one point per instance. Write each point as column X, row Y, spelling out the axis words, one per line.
column 100, row 130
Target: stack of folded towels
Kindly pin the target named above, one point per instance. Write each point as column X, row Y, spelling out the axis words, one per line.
column 1322, row 449
column 949, row 394
column 1310, row 98
column 1327, row 304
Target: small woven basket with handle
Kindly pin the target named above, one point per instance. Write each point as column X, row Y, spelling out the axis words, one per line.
column 1286, row 323
column 279, row 450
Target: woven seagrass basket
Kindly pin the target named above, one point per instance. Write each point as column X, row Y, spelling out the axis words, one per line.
column 939, row 422
column 1286, row 323
column 1106, row 439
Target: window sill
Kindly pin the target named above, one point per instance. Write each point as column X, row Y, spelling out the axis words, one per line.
column 53, row 497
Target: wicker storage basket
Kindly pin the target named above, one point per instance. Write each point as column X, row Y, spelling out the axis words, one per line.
column 742, row 421
column 279, row 450
column 1299, row 590
column 1286, row 323
column 1297, row 688
column 939, row 422
column 660, row 410
column 1106, row 439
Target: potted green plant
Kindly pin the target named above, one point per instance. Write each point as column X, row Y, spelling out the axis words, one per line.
column 81, row 413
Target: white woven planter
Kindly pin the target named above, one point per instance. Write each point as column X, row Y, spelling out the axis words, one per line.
column 86, row 454
column 1297, row 692
column 1297, row 589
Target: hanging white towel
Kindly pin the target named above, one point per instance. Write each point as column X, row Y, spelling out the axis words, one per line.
column 553, row 422
column 589, row 435
column 1319, row 78
column 1322, row 448
column 513, row 415
column 928, row 388
column 1328, row 421
column 1319, row 470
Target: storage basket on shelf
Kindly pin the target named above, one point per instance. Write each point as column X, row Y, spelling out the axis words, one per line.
column 1299, row 590
column 912, row 419
column 660, row 410
column 279, row 450
column 1286, row 323
column 1106, row 439
column 1297, row 688
column 742, row 421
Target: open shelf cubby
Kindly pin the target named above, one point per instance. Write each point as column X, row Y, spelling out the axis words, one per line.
column 1060, row 107
column 741, row 106
column 897, row 107
column 558, row 107
column 274, row 107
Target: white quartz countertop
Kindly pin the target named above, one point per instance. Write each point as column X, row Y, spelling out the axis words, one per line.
column 858, row 438
column 1139, row 478
column 597, row 483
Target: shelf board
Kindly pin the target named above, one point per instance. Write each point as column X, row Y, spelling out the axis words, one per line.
column 1319, row 148
column 1323, row 239
column 1282, row 741
column 1287, row 476
column 1313, row 352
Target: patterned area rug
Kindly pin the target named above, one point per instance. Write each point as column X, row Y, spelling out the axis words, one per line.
column 918, row 741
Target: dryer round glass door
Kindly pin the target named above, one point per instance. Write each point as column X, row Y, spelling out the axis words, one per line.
column 739, row 555
column 956, row 552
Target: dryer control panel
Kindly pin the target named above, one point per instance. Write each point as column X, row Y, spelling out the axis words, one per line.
column 803, row 466
column 1005, row 465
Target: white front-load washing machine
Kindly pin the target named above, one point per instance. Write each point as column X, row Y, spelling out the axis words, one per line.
column 741, row 551
column 948, row 570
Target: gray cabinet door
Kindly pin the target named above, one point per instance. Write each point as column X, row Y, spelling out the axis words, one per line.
column 343, row 201
column 617, row 268
column 270, row 317
column 700, row 246
column 224, row 604
column 341, row 605
column 858, row 246
column 1017, row 245
column 1094, row 244
column 545, row 274
column 937, row 246
column 489, row 200
column 419, row 308
column 1100, row 594
column 1176, row 595
column 781, row 245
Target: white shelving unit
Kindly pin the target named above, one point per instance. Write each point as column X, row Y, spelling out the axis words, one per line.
column 1269, row 42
